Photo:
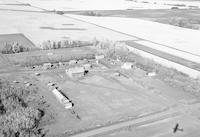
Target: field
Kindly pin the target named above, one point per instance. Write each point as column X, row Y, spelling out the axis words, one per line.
column 68, row 5
column 113, row 89
column 35, row 24
column 186, row 18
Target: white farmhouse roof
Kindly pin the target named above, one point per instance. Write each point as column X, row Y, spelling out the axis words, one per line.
column 87, row 66
column 99, row 57
column 47, row 64
column 151, row 74
column 127, row 65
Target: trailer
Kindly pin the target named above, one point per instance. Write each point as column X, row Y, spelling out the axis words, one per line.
column 62, row 99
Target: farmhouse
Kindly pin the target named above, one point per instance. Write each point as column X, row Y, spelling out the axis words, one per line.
column 75, row 72
column 99, row 57
column 87, row 67
column 127, row 65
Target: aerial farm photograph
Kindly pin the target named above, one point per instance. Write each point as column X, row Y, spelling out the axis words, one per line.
column 99, row 68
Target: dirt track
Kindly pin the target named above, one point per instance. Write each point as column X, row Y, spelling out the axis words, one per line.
column 135, row 122
column 143, row 121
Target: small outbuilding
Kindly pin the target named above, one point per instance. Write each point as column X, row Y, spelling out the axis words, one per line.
column 60, row 64
column 116, row 74
column 51, row 84
column 50, row 54
column 151, row 74
column 37, row 74
column 99, row 57
column 28, row 84
column 73, row 62
column 83, row 61
column 25, row 82
column 127, row 65
column 68, row 105
column 47, row 66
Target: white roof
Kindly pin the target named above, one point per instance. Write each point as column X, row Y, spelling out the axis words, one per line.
column 72, row 61
column 87, row 66
column 46, row 64
column 99, row 56
column 68, row 105
column 76, row 70
column 128, row 64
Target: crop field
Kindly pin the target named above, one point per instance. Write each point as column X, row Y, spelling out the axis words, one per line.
column 186, row 18
column 35, row 24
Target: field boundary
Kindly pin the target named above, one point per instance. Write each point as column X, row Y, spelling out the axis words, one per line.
column 170, row 57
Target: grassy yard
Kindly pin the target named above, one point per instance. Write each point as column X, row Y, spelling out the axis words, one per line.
column 53, row 56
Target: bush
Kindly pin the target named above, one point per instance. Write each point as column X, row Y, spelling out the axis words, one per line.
column 60, row 12
column 11, row 48
column 7, row 49
column 92, row 13
column 104, row 44
column 46, row 45
column 184, row 23
column 17, row 119
column 174, row 8
column 23, row 119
